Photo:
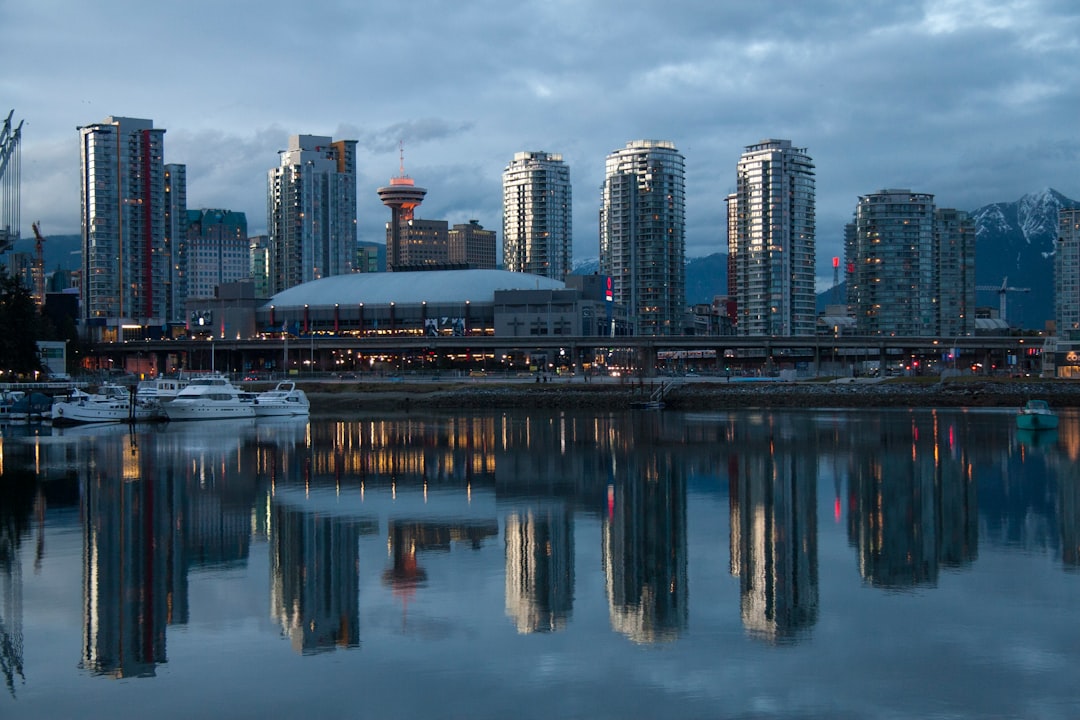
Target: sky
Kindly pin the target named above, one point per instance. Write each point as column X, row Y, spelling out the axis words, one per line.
column 974, row 101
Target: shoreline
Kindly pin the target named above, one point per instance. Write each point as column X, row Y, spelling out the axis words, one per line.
column 334, row 398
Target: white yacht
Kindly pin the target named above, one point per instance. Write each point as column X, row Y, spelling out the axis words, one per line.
column 284, row 400
column 162, row 388
column 111, row 403
column 209, row 397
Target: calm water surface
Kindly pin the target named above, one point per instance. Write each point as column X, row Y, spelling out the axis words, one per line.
column 713, row 565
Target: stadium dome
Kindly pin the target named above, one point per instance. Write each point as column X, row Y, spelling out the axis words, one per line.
column 404, row 288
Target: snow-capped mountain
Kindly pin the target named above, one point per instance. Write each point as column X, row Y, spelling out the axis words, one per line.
column 1014, row 242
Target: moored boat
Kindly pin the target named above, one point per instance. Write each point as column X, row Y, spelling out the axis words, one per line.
column 284, row 400
column 1036, row 415
column 209, row 397
column 111, row 403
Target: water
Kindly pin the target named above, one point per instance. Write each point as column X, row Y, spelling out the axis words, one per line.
column 710, row 565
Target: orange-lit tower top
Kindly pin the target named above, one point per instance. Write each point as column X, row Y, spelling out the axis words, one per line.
column 402, row 196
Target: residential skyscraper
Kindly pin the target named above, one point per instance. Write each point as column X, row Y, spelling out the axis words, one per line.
column 311, row 211
column 537, row 212
column 954, row 243
column 910, row 266
column 643, row 235
column 1067, row 275
column 771, row 241
column 124, row 264
column 176, row 218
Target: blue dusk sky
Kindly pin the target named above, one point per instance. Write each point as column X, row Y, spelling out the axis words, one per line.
column 974, row 101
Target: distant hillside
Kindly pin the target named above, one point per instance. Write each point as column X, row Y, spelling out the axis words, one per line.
column 706, row 277
column 60, row 251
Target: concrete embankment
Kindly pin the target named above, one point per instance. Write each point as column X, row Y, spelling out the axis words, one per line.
column 329, row 399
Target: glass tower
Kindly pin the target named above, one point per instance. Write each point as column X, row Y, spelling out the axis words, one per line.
column 311, row 211
column 643, row 235
column 122, row 198
column 771, row 241
column 537, row 226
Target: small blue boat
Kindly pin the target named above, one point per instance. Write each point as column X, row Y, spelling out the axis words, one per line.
column 1036, row 415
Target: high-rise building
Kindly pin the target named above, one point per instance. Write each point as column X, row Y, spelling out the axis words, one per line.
column 218, row 251
column 1067, row 275
column 124, row 265
column 771, row 241
column 420, row 245
column 176, row 217
column 954, row 242
column 910, row 266
column 402, row 196
column 259, row 264
column 537, row 227
column 471, row 245
column 311, row 211
column 643, row 235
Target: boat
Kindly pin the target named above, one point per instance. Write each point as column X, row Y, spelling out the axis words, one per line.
column 210, row 397
column 161, row 389
column 35, row 406
column 284, row 400
column 1036, row 415
column 8, row 399
column 111, row 403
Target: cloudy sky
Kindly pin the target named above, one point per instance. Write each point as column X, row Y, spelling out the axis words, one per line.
column 975, row 101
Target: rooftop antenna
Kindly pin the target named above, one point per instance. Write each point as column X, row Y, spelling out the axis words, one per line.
column 401, row 159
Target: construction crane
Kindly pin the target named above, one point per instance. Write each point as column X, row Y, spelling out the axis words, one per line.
column 38, row 271
column 1002, row 292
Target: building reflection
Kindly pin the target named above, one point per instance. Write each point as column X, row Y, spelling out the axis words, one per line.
column 539, row 568
column 774, row 553
column 912, row 505
column 644, row 546
column 154, row 510
column 127, row 536
column 19, row 501
column 315, row 580
column 407, row 538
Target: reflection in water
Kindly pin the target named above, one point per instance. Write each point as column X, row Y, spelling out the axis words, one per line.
column 539, row 568
column 315, row 582
column 16, row 506
column 645, row 547
column 127, row 537
column 162, row 501
column 912, row 504
column 774, row 536
column 406, row 539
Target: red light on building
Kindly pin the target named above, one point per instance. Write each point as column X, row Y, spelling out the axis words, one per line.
column 835, row 262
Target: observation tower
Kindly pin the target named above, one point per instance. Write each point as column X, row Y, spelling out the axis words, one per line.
column 402, row 196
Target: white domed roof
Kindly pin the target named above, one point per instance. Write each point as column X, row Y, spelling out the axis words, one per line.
column 434, row 286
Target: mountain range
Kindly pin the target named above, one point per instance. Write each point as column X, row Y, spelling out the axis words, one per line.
column 1014, row 246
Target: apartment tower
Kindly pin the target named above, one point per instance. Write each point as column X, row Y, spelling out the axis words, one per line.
column 537, row 226
column 311, row 211
column 643, row 235
column 910, row 266
column 771, row 241
column 1067, row 275
column 123, row 206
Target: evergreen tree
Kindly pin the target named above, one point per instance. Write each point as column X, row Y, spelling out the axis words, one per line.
column 20, row 326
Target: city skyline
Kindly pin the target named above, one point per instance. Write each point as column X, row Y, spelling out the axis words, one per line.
column 966, row 100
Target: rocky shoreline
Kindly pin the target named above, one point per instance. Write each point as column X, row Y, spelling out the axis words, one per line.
column 334, row 399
